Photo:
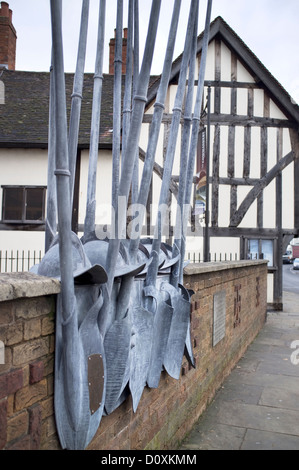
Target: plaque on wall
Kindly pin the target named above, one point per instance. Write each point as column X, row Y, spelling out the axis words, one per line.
column 219, row 316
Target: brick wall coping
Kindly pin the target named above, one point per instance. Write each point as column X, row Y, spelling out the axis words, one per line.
column 200, row 268
column 22, row 285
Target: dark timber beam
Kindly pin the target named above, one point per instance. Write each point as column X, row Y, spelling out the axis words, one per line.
column 257, row 189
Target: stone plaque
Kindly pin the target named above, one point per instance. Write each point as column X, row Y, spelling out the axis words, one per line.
column 219, row 316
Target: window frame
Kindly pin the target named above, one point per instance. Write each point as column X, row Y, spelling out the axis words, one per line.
column 271, row 262
column 23, row 220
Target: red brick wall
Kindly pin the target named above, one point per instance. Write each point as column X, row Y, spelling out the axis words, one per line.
column 112, row 53
column 8, row 38
column 165, row 414
column 26, row 378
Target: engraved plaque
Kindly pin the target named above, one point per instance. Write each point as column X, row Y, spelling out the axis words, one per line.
column 95, row 381
column 219, row 316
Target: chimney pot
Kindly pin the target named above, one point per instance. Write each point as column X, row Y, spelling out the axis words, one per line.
column 8, row 38
column 4, row 9
column 112, row 52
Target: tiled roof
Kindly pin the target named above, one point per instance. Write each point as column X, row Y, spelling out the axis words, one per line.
column 24, row 116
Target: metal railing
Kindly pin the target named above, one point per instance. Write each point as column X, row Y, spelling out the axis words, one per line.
column 197, row 257
column 22, row 260
column 12, row 261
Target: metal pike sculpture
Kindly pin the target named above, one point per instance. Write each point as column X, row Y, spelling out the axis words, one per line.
column 123, row 314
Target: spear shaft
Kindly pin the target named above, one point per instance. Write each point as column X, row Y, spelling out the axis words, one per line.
column 89, row 223
column 174, row 278
column 117, row 103
column 128, row 158
column 135, row 176
column 51, row 222
column 124, row 295
column 62, row 166
column 77, row 95
column 128, row 79
column 175, row 123
column 196, row 124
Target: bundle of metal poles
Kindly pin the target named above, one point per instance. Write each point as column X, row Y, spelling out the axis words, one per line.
column 123, row 315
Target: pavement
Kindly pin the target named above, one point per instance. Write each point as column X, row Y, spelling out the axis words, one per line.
column 257, row 407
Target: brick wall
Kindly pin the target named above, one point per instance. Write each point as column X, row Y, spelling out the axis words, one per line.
column 165, row 414
column 8, row 37
column 26, row 377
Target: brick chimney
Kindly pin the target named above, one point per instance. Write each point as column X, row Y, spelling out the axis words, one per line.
column 8, row 38
column 112, row 52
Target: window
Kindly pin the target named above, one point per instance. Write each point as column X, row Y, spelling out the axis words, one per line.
column 25, row 204
column 261, row 249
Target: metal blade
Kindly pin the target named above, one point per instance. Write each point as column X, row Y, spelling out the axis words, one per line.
column 178, row 331
column 161, row 328
column 142, row 330
column 80, row 371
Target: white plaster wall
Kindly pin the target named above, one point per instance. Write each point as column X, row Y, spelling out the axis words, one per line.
column 227, row 245
column 255, row 151
column 210, row 63
column 275, row 112
column 272, row 148
column 250, row 218
column 242, row 101
column 22, row 167
column 225, row 105
column 242, row 74
column 223, row 151
column 18, row 240
column 224, row 207
column 269, row 195
column 225, row 63
column 258, row 107
column 288, row 196
column 239, row 151
column 103, row 187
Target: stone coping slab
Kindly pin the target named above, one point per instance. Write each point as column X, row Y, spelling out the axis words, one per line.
column 200, row 268
column 26, row 284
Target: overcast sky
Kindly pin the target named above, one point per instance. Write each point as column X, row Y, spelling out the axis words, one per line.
column 268, row 27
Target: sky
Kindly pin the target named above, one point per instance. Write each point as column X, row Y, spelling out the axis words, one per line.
column 268, row 27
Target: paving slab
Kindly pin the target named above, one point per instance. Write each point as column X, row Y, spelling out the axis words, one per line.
column 215, row 437
column 257, row 407
column 260, row 417
column 280, row 398
column 265, row 440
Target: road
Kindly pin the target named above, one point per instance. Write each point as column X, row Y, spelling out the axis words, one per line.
column 290, row 279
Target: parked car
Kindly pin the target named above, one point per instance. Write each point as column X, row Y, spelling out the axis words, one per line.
column 287, row 257
column 296, row 263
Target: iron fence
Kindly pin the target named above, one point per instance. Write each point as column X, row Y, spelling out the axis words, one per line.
column 22, row 260
column 18, row 260
column 197, row 257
